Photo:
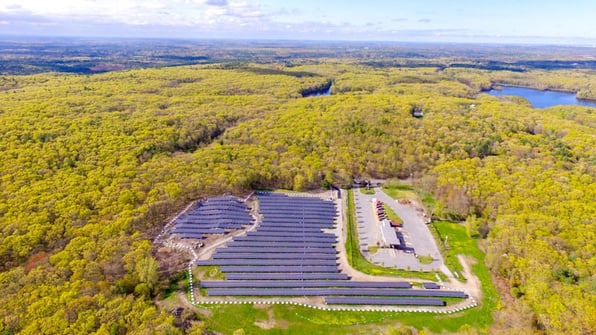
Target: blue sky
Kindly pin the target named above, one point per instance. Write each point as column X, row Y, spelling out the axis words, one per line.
column 503, row 21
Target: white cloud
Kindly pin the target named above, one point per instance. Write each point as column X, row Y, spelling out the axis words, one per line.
column 138, row 12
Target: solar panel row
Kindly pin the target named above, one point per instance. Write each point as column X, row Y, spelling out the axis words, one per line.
column 191, row 235
column 281, row 256
column 268, row 249
column 430, row 286
column 232, row 213
column 299, row 229
column 291, row 233
column 238, row 214
column 198, row 230
column 384, row 301
column 303, row 212
column 322, row 239
column 269, row 244
column 302, row 284
column 288, row 238
column 285, row 262
column 272, row 220
column 214, row 219
column 334, row 291
column 287, row 276
column 279, row 269
column 289, row 224
column 209, row 226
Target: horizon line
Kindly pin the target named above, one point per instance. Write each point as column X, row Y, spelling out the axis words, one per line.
column 587, row 44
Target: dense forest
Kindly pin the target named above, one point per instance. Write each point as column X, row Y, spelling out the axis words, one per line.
column 92, row 164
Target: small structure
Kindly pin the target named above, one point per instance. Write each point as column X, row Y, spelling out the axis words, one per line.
column 430, row 286
column 389, row 236
column 417, row 111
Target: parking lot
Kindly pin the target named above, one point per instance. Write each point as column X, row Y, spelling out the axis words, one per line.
column 415, row 231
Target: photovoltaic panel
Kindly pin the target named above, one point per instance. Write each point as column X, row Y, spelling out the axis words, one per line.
column 270, row 244
column 278, row 229
column 288, row 217
column 191, row 235
column 198, row 230
column 384, row 301
column 297, row 215
column 287, row 239
column 301, row 284
column 322, row 239
column 263, row 235
column 430, row 286
column 279, row 250
column 279, row 262
column 282, row 256
column 286, row 276
column 279, row 269
column 287, row 224
column 293, row 234
column 331, row 291
column 213, row 216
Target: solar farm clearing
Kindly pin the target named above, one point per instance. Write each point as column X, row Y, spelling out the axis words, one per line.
column 288, row 251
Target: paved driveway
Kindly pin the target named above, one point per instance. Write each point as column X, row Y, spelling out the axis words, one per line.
column 415, row 232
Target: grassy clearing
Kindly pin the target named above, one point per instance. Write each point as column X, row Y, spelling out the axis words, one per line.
column 425, row 259
column 369, row 190
column 442, row 230
column 390, row 214
column 209, row 272
column 397, row 190
column 290, row 319
column 458, row 243
column 357, row 260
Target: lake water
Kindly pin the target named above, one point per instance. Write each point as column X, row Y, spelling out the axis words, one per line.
column 541, row 99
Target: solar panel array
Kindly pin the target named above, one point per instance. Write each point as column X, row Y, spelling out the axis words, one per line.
column 385, row 301
column 290, row 254
column 214, row 216
column 363, row 292
column 303, row 284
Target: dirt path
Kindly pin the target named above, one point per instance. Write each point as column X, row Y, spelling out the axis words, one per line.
column 472, row 286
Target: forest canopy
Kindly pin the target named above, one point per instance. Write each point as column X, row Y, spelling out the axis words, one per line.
column 91, row 165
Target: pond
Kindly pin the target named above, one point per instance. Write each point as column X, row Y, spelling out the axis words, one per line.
column 541, row 99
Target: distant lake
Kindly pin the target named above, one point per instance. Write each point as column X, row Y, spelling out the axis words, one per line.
column 541, row 99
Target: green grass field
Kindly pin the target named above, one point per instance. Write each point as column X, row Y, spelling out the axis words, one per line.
column 400, row 191
column 369, row 191
column 291, row 319
column 390, row 214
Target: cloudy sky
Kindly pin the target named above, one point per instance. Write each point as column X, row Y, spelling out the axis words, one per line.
column 502, row 21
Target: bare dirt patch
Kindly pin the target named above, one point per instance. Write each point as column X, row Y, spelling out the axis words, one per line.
column 473, row 285
column 271, row 322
